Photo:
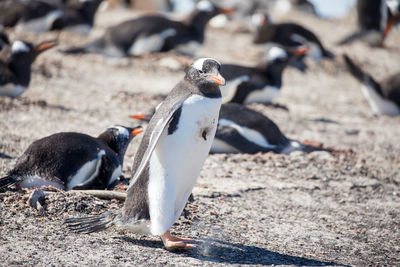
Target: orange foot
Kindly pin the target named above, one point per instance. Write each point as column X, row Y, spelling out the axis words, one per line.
column 173, row 242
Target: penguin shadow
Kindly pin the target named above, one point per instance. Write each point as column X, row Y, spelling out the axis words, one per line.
column 218, row 251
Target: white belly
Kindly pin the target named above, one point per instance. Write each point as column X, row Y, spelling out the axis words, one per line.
column 219, row 146
column 265, row 95
column 88, row 171
column 34, row 181
column 177, row 160
column 11, row 90
column 150, row 44
column 229, row 90
column 378, row 104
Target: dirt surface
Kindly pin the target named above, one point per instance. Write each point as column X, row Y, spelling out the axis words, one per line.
column 340, row 208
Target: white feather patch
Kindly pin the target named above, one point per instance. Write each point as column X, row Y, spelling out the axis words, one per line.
column 116, row 173
column 378, row 104
column 19, row 47
column 11, row 90
column 88, row 171
column 219, row 146
column 205, row 5
column 229, row 90
column 265, row 95
column 150, row 44
column 250, row 134
column 35, row 181
column 177, row 160
column 276, row 52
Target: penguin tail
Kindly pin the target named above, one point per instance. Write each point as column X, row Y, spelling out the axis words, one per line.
column 7, row 182
column 328, row 54
column 351, row 38
column 359, row 74
column 91, row 224
column 291, row 146
column 93, row 47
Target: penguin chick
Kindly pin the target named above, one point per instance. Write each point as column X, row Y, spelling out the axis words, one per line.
column 169, row 159
column 70, row 160
column 15, row 73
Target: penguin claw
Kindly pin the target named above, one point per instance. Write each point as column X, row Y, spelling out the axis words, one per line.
column 172, row 242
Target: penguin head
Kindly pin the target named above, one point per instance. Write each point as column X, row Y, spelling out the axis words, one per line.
column 205, row 73
column 277, row 58
column 118, row 138
column 205, row 10
column 26, row 53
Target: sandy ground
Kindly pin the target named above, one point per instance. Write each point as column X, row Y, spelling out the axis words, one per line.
column 314, row 209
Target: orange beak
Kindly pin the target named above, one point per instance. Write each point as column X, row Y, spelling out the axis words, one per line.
column 137, row 131
column 388, row 27
column 301, row 51
column 226, row 10
column 139, row 116
column 45, row 46
column 217, row 79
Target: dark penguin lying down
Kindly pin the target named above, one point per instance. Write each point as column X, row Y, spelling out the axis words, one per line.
column 71, row 160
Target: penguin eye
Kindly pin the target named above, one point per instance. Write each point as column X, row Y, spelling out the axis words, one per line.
column 201, row 72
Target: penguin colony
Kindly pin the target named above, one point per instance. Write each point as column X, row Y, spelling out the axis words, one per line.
column 205, row 111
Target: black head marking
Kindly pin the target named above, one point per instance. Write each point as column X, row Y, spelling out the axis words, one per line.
column 205, row 74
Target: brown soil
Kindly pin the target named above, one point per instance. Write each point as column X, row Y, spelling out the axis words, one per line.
column 339, row 208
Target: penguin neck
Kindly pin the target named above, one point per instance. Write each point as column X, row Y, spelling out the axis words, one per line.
column 21, row 67
column 197, row 22
column 210, row 90
column 273, row 73
column 88, row 11
column 119, row 147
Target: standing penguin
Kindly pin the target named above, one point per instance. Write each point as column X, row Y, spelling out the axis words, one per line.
column 168, row 162
column 383, row 97
column 154, row 33
column 15, row 72
column 243, row 130
column 261, row 83
column 72, row 160
column 375, row 20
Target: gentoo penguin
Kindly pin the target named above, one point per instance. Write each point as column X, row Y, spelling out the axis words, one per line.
column 261, row 83
column 375, row 20
column 288, row 35
column 243, row 130
column 72, row 160
column 383, row 97
column 154, row 33
column 169, row 159
column 15, row 73
column 47, row 15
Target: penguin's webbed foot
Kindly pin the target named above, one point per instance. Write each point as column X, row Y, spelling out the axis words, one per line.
column 37, row 200
column 175, row 243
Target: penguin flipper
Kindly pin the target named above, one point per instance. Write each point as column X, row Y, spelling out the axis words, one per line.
column 91, row 224
column 7, row 181
column 351, row 38
column 237, row 141
column 160, row 120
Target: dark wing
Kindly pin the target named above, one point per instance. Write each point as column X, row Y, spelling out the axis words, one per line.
column 6, row 76
column 232, row 137
column 158, row 122
column 391, row 88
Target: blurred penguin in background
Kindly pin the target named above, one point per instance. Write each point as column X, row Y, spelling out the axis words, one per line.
column 47, row 15
column 375, row 21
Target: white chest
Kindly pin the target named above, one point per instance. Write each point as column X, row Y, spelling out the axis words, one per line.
column 178, row 158
column 265, row 95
